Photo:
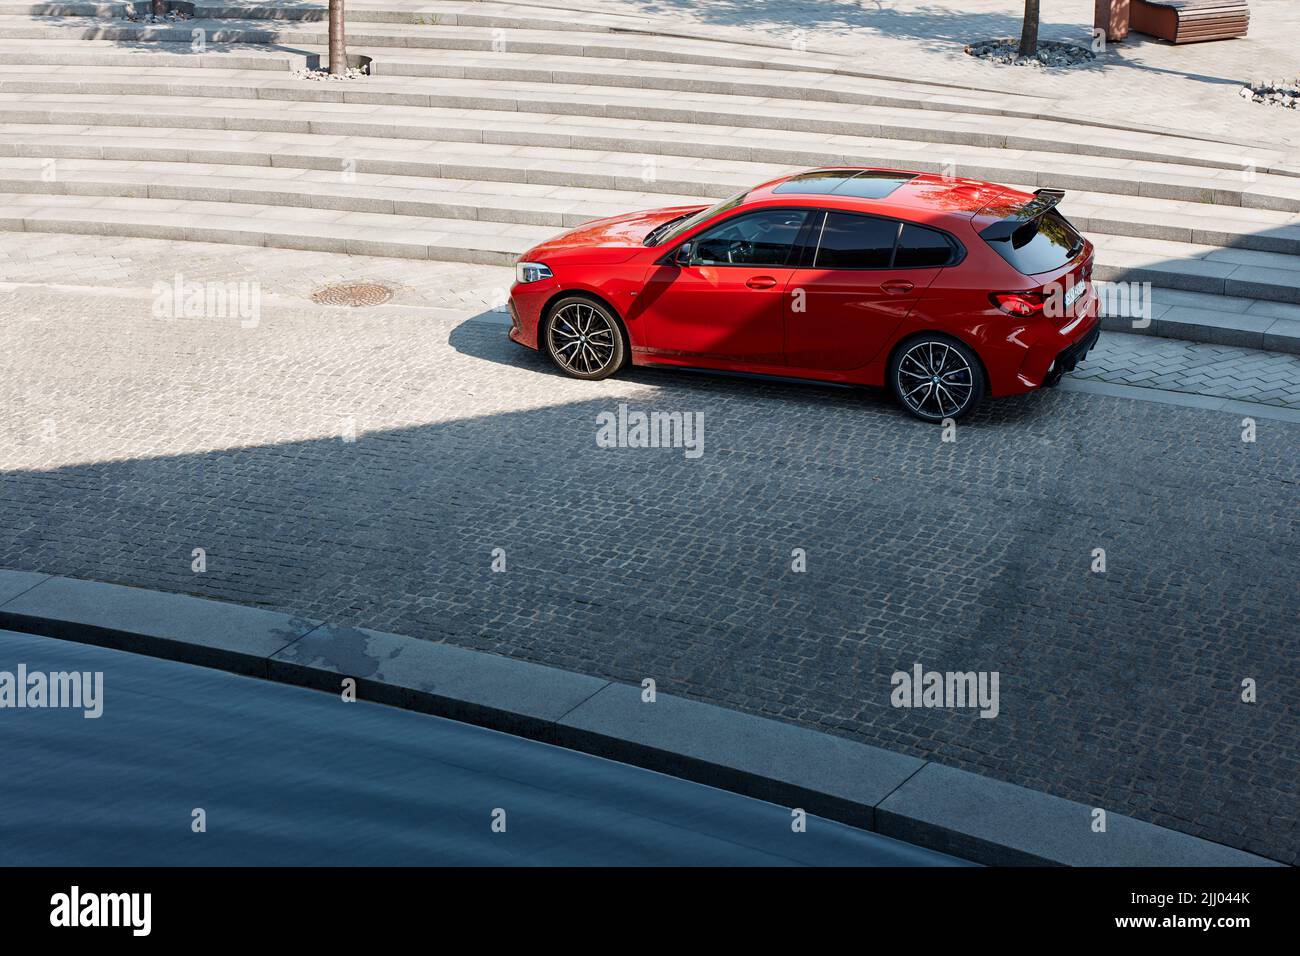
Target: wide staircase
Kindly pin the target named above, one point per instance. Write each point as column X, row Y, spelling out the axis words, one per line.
column 485, row 127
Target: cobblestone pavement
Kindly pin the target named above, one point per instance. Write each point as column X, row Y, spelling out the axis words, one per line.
column 127, row 441
column 1249, row 375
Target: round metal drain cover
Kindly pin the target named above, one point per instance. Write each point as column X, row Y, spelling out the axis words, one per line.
column 354, row 294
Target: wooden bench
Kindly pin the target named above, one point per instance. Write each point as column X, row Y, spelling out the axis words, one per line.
column 1190, row 21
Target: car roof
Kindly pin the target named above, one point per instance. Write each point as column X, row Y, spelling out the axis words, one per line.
column 923, row 197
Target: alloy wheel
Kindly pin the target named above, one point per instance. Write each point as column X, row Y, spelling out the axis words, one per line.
column 582, row 338
column 934, row 380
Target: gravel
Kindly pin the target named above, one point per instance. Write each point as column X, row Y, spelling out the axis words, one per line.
column 353, row 73
column 1283, row 93
column 1051, row 54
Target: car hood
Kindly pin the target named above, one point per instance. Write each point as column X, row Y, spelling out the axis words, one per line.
column 611, row 240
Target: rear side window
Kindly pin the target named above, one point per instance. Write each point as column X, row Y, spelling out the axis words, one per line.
column 856, row 242
column 1044, row 244
column 918, row 247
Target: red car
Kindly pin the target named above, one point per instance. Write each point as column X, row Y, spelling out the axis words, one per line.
column 946, row 290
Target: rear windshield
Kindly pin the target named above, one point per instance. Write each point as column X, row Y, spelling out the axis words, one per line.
column 1044, row 244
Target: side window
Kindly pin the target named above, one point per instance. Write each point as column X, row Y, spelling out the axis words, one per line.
column 856, row 242
column 919, row 246
column 757, row 239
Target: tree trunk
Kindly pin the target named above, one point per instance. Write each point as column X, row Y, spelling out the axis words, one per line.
column 1029, row 32
column 338, row 46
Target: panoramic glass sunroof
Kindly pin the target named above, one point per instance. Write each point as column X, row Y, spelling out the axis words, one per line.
column 865, row 184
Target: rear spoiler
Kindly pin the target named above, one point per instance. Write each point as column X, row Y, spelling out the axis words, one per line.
column 1044, row 201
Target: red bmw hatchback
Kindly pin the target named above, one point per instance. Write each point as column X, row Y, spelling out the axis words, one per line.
column 945, row 290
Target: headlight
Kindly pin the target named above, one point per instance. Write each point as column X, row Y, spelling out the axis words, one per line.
column 531, row 272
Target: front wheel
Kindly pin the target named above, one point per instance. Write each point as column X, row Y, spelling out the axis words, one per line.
column 936, row 378
column 584, row 339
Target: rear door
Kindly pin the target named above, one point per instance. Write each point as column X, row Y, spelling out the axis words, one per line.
column 862, row 276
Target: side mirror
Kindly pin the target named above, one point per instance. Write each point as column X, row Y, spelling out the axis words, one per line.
column 684, row 253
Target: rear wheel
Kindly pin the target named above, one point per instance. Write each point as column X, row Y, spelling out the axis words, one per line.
column 935, row 378
column 584, row 339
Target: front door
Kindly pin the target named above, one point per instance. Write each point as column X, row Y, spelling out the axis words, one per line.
column 723, row 302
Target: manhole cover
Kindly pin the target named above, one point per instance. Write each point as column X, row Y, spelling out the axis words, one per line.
column 355, row 294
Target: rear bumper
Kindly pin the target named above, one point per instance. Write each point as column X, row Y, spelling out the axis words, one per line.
column 1070, row 357
column 1045, row 352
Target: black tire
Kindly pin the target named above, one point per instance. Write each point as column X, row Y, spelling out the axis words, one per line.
column 583, row 338
column 936, row 378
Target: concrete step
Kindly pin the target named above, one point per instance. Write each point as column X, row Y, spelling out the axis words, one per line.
column 1202, row 224
column 484, row 162
column 1216, row 319
column 1195, row 268
column 422, row 51
column 654, row 43
column 953, row 129
column 952, row 122
column 458, row 13
column 948, row 115
column 570, row 39
column 420, row 195
column 19, row 56
column 357, row 233
column 354, row 116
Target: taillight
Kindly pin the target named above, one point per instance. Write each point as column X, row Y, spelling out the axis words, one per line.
column 1020, row 304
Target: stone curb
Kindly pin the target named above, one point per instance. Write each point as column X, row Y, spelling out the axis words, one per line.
column 900, row 796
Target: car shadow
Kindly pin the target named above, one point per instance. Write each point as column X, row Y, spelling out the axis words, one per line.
column 468, row 339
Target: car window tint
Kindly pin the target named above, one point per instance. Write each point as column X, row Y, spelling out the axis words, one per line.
column 856, row 242
column 758, row 239
column 672, row 229
column 1044, row 244
column 919, row 246
column 821, row 181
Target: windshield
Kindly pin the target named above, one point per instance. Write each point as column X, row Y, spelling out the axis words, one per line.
column 670, row 230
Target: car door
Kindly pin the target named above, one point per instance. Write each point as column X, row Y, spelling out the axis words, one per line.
column 719, row 297
column 864, row 276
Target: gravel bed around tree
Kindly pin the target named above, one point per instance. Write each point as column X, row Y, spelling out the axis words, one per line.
column 1051, row 53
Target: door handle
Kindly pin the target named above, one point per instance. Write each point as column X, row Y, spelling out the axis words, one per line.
column 760, row 282
column 897, row 286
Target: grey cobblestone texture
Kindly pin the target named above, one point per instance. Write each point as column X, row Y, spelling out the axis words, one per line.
column 1248, row 375
column 128, row 441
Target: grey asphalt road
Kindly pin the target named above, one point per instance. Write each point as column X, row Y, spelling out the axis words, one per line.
column 287, row 776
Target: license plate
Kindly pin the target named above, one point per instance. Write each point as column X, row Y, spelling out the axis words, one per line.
column 1075, row 293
